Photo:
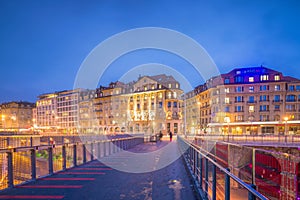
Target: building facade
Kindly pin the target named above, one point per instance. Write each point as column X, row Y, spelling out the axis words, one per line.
column 254, row 100
column 16, row 116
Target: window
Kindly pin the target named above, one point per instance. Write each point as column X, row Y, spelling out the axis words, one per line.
column 159, row 86
column 251, row 89
column 226, row 109
column 264, row 98
column 169, row 104
column 175, row 104
column 290, row 108
column 264, row 77
column 298, row 87
column 239, row 89
column 277, row 107
column 138, row 106
column 276, row 98
column 291, row 87
column 226, row 81
column 251, row 79
column 239, row 109
column 277, row 78
column 227, row 100
column 277, row 87
column 239, row 99
column 239, row 118
column 290, row 98
column 264, row 117
column 251, row 99
column 264, row 108
column 170, row 85
column 238, row 72
column 239, row 79
column 263, row 87
column 160, row 104
column 175, row 95
column 251, row 108
column 226, row 90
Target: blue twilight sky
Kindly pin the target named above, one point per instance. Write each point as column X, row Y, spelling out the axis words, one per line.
column 43, row 43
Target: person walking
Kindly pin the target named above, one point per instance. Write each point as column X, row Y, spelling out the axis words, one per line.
column 171, row 135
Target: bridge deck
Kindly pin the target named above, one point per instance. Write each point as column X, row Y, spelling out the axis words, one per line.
column 96, row 180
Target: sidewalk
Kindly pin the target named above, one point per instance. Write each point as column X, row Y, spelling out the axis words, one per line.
column 96, row 180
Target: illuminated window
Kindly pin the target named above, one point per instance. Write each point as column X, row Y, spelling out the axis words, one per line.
column 251, row 89
column 239, row 89
column 226, row 90
column 251, row 108
column 177, row 86
column 277, row 87
column 170, row 85
column 251, row 79
column 159, row 86
column 277, row 78
column 227, row 100
column 264, row 77
column 145, row 88
column 175, row 95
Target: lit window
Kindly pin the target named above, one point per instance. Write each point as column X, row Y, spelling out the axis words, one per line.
column 277, row 78
column 251, row 79
column 145, row 88
column 175, row 95
column 239, row 89
column 177, row 86
column 251, row 89
column 277, row 87
column 264, row 77
column 226, row 90
column 251, row 108
column 159, row 86
column 227, row 100
column 170, row 85
column 238, row 72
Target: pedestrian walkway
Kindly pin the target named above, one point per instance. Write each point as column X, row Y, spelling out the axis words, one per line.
column 117, row 177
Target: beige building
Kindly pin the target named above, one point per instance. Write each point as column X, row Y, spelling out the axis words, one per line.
column 150, row 104
column 16, row 116
column 254, row 100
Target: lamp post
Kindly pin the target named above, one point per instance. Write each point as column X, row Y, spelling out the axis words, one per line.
column 285, row 126
column 251, row 120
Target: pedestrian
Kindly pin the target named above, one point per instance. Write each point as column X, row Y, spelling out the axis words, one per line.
column 160, row 135
column 170, row 133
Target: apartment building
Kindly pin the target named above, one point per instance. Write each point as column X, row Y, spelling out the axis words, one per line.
column 16, row 116
column 250, row 101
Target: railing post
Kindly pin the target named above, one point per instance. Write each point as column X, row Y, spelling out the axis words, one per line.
column 10, row 169
column 92, row 151
column 50, row 160
column 206, row 176
column 250, row 195
column 227, row 185
column 84, row 153
column 33, row 164
column 214, row 183
column 201, row 174
column 64, row 157
column 31, row 141
column 75, row 155
column 99, row 149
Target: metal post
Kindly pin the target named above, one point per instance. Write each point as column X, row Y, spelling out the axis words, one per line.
column 92, row 151
column 201, row 174
column 31, row 141
column 104, row 148
column 250, row 195
column 253, row 166
column 10, row 170
column 214, row 183
column 64, row 156
column 99, row 150
column 227, row 186
column 75, row 155
column 84, row 153
column 33, row 164
column 206, row 176
column 50, row 160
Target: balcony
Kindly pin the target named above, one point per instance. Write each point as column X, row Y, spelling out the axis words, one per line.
column 251, row 102
column 277, row 101
column 290, row 100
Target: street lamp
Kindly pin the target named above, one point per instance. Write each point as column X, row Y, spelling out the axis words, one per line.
column 285, row 127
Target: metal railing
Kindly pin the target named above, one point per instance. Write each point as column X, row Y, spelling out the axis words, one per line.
column 23, row 164
column 285, row 140
column 210, row 184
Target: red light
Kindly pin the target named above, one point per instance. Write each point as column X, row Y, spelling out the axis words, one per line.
column 250, row 165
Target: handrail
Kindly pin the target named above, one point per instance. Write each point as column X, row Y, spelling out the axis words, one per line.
column 235, row 178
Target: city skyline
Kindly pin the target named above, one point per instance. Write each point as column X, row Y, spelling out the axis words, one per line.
column 44, row 44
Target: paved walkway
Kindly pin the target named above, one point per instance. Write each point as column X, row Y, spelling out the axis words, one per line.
column 111, row 178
